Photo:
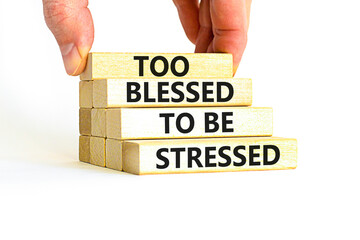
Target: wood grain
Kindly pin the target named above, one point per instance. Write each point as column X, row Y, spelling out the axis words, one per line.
column 142, row 156
column 111, row 93
column 97, row 151
column 86, row 94
column 84, row 149
column 123, row 65
column 146, row 123
column 114, row 154
column 98, row 122
column 85, row 121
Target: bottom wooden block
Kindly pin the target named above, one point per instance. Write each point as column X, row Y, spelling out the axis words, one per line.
column 209, row 155
column 190, row 155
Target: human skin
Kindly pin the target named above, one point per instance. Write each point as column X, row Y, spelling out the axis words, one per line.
column 214, row 26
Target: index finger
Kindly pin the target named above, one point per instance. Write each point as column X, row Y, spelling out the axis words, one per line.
column 189, row 16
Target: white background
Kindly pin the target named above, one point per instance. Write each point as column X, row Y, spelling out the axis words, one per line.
column 303, row 57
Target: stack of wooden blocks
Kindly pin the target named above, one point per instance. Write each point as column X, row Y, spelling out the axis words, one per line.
column 175, row 113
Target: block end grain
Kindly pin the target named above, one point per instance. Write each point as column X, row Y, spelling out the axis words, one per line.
column 131, row 158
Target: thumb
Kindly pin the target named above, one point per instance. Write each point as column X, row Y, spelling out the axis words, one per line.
column 71, row 23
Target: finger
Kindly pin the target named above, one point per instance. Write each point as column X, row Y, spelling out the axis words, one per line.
column 211, row 47
column 230, row 25
column 71, row 23
column 189, row 16
column 205, row 35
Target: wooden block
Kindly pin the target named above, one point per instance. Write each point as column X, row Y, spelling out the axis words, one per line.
column 85, row 121
column 97, row 151
column 84, row 149
column 155, row 65
column 98, row 122
column 110, row 93
column 209, row 155
column 114, row 154
column 86, row 94
column 157, row 123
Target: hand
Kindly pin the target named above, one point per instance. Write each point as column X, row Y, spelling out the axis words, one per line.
column 71, row 23
column 214, row 26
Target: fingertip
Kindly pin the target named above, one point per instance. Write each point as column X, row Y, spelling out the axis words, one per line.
column 74, row 58
column 233, row 42
column 235, row 68
column 236, row 62
column 80, row 68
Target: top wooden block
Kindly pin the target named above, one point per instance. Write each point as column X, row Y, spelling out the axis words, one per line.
column 158, row 65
